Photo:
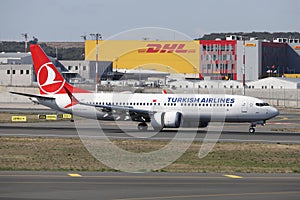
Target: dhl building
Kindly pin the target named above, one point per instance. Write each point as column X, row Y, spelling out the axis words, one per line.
column 167, row 56
column 214, row 59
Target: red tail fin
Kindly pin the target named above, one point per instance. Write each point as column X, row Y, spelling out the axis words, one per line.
column 49, row 79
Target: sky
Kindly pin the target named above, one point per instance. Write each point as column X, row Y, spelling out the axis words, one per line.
column 67, row 20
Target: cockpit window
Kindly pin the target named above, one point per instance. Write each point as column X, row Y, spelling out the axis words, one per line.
column 262, row 104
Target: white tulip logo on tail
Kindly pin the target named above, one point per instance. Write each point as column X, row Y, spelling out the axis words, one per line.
column 50, row 82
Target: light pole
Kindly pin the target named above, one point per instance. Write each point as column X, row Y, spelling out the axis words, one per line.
column 25, row 35
column 56, row 53
column 244, row 60
column 97, row 36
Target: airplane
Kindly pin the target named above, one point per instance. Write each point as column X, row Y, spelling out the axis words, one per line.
column 158, row 110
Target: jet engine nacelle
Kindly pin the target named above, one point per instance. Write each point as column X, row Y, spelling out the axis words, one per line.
column 166, row 120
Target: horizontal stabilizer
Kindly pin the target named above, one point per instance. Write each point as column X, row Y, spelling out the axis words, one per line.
column 33, row 95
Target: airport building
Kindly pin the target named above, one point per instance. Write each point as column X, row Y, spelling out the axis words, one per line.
column 233, row 57
column 271, row 83
column 167, row 56
column 218, row 59
column 83, row 71
column 16, row 69
column 208, row 59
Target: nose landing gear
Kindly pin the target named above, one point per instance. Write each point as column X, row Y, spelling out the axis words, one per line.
column 253, row 125
column 252, row 129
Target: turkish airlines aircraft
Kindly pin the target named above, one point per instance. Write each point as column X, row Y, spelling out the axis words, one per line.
column 159, row 110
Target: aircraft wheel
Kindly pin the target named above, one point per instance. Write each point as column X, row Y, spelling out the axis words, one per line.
column 251, row 130
column 142, row 127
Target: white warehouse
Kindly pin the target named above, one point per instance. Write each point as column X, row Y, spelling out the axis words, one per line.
column 275, row 83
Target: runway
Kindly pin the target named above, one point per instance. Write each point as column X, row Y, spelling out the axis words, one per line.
column 124, row 186
column 21, row 185
column 122, row 130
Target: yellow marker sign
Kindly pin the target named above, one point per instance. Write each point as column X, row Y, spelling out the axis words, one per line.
column 51, row 117
column 67, row 116
column 232, row 176
column 18, row 118
column 74, row 175
column 42, row 116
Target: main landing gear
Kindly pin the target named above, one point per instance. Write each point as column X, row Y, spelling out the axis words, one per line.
column 142, row 126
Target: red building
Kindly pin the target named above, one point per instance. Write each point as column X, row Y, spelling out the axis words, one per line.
column 218, row 59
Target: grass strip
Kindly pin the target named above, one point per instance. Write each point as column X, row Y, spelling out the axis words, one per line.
column 69, row 154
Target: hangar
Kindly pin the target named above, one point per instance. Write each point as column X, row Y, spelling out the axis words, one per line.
column 167, row 56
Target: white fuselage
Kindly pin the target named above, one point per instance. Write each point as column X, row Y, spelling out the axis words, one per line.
column 193, row 107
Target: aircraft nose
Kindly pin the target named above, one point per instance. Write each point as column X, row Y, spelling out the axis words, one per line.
column 273, row 112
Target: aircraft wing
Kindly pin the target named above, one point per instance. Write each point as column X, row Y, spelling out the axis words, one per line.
column 135, row 114
column 124, row 111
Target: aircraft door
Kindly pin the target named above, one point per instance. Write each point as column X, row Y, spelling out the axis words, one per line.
column 244, row 107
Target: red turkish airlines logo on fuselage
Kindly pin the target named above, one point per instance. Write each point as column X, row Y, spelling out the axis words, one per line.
column 49, row 81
